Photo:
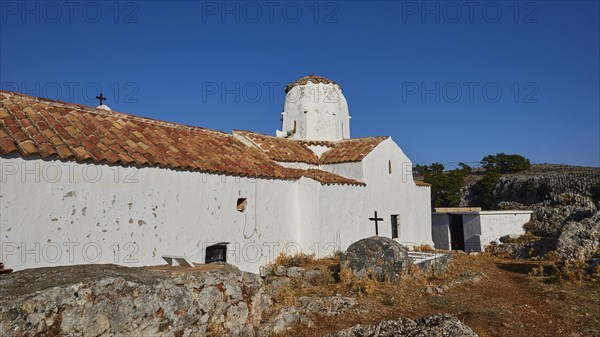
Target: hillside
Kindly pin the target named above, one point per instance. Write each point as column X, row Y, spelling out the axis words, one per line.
column 541, row 183
column 565, row 224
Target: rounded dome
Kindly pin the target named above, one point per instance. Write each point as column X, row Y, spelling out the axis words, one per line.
column 310, row 78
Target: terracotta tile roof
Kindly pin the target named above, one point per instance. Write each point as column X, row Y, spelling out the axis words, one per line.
column 351, row 150
column 36, row 126
column 310, row 78
column 281, row 149
column 421, row 183
column 327, row 177
column 288, row 150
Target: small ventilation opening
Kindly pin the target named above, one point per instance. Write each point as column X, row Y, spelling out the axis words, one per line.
column 241, row 204
column 216, row 253
column 389, row 166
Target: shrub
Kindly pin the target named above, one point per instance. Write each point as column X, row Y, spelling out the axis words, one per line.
column 539, row 271
column 389, row 301
column 366, row 285
column 423, row 248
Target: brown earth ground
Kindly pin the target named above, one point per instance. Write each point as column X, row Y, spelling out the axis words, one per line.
column 506, row 302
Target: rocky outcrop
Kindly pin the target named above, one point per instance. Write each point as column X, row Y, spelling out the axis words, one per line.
column 431, row 326
column 580, row 240
column 386, row 258
column 558, row 184
column 565, row 201
column 108, row 300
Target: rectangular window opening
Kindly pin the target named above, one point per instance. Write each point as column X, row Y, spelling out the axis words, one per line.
column 216, row 253
column 395, row 225
column 241, row 204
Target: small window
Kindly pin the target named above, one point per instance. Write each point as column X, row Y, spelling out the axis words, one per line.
column 241, row 204
column 389, row 166
column 395, row 225
column 216, row 253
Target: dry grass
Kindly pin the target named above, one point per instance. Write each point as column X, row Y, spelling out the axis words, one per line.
column 508, row 302
column 365, row 285
column 572, row 271
column 297, row 260
column 423, row 248
column 596, row 275
column 214, row 330
column 286, row 295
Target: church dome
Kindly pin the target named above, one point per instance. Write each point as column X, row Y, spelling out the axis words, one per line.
column 310, row 78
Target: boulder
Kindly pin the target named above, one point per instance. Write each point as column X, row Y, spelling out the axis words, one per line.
column 431, row 326
column 386, row 258
column 110, row 300
column 295, row 271
column 580, row 240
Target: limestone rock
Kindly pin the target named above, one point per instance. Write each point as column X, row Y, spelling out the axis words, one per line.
column 329, row 306
column 295, row 271
column 311, row 276
column 109, row 300
column 280, row 271
column 580, row 240
column 384, row 256
column 431, row 326
column 286, row 317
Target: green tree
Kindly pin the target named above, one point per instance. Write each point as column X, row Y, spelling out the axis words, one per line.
column 465, row 168
column 483, row 190
column 505, row 163
column 445, row 185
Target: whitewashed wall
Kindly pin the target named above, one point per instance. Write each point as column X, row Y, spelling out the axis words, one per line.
column 132, row 216
column 496, row 224
column 342, row 217
column 396, row 193
column 349, row 170
column 319, row 110
column 479, row 228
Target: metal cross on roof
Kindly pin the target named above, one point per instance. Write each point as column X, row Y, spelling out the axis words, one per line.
column 376, row 219
column 101, row 98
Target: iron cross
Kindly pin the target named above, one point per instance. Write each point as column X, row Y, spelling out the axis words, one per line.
column 376, row 219
column 101, row 98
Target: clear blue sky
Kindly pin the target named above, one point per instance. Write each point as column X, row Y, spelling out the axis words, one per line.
column 426, row 73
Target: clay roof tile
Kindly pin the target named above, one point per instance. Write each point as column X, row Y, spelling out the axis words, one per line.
column 44, row 127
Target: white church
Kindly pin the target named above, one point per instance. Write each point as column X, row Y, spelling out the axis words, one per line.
column 90, row 185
